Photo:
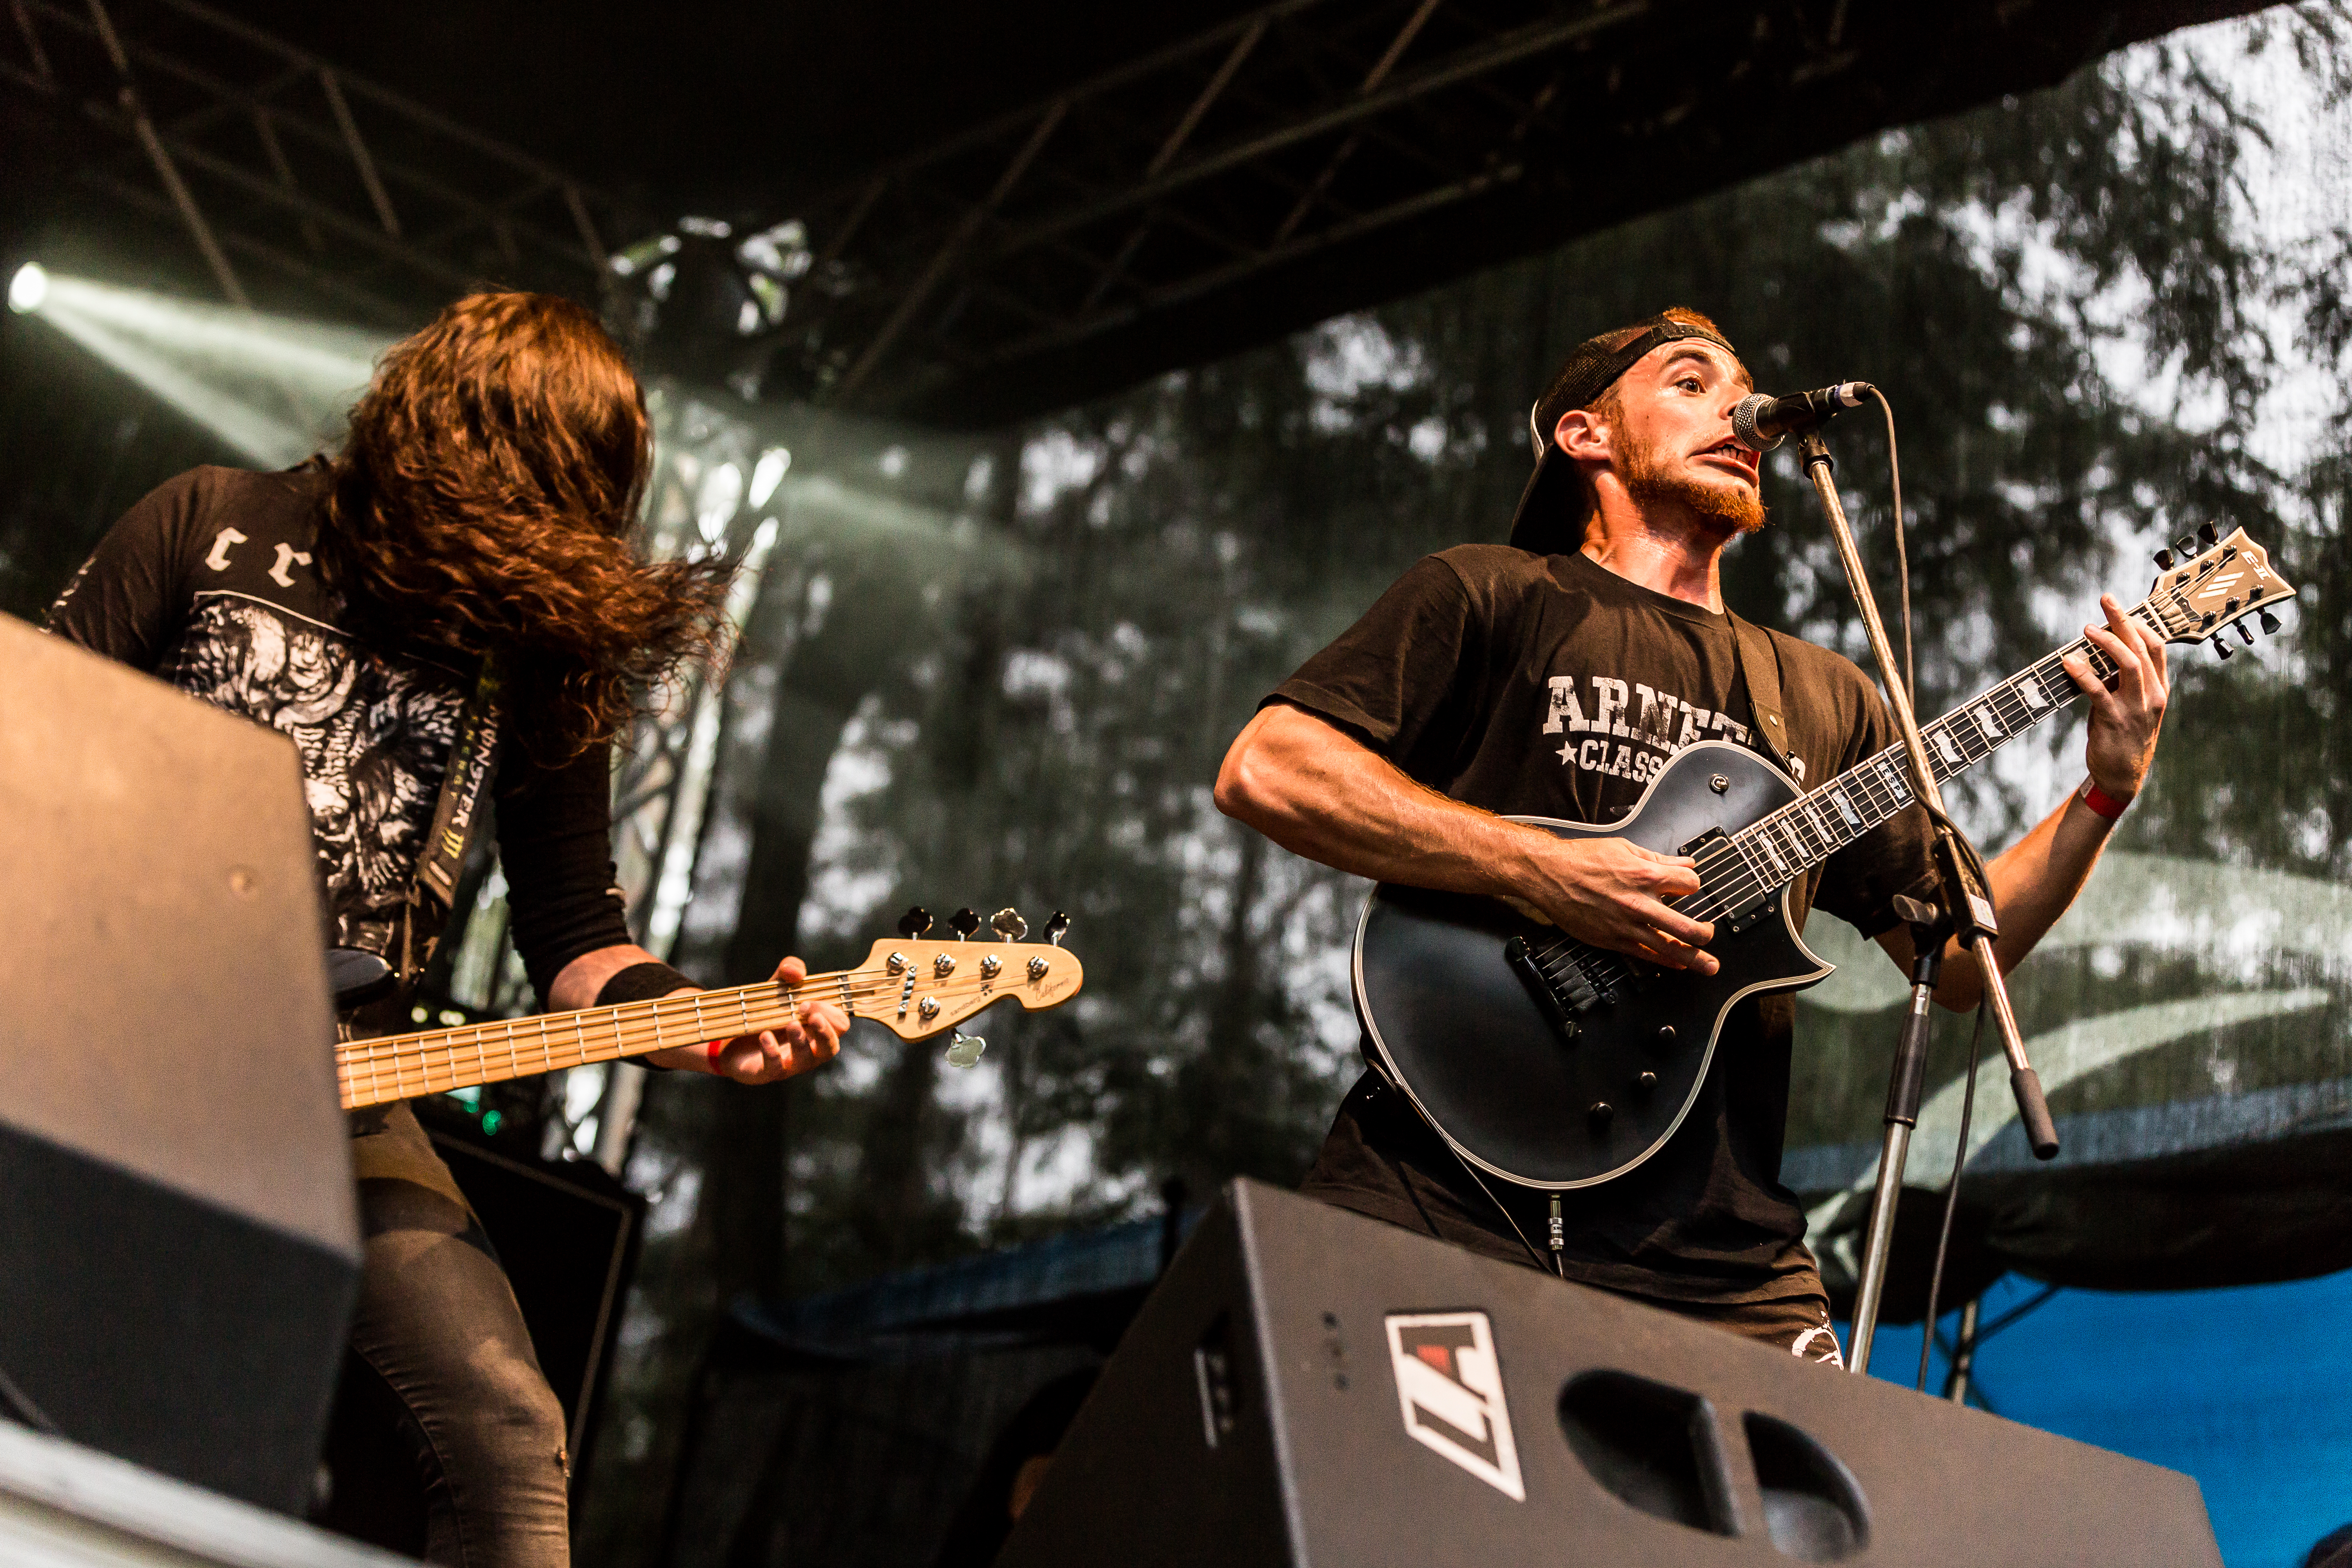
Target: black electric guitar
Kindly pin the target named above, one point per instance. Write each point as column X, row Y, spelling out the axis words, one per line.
column 1554, row 1064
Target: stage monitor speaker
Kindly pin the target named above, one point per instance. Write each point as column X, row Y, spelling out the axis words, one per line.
column 568, row 1235
column 1309, row 1386
column 179, row 1238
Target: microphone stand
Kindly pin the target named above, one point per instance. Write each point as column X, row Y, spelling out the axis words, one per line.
column 1970, row 909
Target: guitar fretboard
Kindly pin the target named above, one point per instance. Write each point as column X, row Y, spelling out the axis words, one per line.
column 1775, row 850
column 402, row 1067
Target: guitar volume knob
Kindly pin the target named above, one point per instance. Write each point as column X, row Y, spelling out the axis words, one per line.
column 1646, row 1082
column 1599, row 1113
column 1666, row 1035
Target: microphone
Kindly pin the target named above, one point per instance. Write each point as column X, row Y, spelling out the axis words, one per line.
column 1760, row 420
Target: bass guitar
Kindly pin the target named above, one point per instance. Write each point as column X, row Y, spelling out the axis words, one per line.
column 1554, row 1064
column 912, row 987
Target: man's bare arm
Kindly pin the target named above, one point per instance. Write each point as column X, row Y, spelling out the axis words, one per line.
column 1319, row 792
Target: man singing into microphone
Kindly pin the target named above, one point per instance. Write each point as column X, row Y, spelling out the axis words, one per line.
column 1553, row 677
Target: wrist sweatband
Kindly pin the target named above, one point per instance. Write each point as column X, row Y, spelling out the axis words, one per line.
column 2101, row 802
column 642, row 982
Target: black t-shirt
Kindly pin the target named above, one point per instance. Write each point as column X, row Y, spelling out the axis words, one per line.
column 1549, row 685
column 208, row 584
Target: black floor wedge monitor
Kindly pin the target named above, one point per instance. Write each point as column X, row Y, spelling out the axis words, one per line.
column 179, row 1245
column 1309, row 1386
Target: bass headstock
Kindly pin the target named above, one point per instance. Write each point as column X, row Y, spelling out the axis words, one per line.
column 916, row 987
column 2208, row 585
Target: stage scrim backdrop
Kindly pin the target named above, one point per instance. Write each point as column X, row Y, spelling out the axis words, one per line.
column 1004, row 670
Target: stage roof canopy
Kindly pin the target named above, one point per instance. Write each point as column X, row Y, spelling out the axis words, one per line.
column 960, row 216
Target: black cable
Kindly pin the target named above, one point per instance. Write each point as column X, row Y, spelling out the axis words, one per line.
column 25, row 1410
column 1951, row 1195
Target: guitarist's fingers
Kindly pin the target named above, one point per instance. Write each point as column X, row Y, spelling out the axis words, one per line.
column 826, row 1023
column 1672, row 940
column 1656, row 916
column 2131, row 668
column 1668, row 875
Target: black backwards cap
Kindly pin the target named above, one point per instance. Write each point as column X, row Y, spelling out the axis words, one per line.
column 1553, row 509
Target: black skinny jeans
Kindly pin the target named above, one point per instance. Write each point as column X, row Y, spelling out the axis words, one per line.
column 438, row 1322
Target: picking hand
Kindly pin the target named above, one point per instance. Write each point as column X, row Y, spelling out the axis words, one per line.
column 2124, row 722
column 809, row 1041
column 1609, row 892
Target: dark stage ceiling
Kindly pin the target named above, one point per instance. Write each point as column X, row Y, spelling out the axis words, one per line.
column 1001, row 208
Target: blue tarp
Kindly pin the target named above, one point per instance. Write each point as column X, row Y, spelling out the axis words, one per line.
column 2245, row 1389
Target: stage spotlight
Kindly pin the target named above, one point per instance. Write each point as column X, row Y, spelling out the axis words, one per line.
column 27, row 289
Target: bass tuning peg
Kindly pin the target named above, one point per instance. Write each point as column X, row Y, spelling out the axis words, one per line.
column 2165, row 559
column 914, row 922
column 1057, row 927
column 2270, row 624
column 2242, row 632
column 2209, row 534
column 963, row 1050
column 1007, row 923
column 2221, row 645
column 964, row 922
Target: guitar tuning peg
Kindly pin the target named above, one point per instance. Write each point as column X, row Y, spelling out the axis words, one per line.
column 2165, row 559
column 2270, row 624
column 964, row 922
column 2209, row 534
column 914, row 922
column 2241, row 624
column 2187, row 544
column 2221, row 645
column 1007, row 923
column 963, row 1050
column 1057, row 927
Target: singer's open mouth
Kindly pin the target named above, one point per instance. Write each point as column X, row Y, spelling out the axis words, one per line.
column 1729, row 450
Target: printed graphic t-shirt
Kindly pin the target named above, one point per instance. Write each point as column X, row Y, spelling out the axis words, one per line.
column 1549, row 685
column 208, row 583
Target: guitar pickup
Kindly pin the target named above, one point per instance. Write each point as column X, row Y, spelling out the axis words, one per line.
column 1738, row 918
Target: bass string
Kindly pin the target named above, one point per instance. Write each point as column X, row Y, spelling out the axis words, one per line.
column 516, row 1038
column 462, row 1068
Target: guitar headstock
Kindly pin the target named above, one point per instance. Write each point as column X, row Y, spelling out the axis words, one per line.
column 2218, row 584
column 916, row 987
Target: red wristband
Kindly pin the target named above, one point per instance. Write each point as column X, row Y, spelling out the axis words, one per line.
column 712, row 1050
column 2101, row 802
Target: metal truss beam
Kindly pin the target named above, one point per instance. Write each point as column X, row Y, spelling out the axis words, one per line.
column 1350, row 145
column 336, row 187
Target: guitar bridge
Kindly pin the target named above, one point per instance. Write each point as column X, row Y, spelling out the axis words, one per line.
column 1735, row 920
column 1579, row 994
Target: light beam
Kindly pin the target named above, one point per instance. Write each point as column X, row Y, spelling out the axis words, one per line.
column 274, row 387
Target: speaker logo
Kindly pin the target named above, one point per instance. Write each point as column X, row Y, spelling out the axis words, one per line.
column 1451, row 1390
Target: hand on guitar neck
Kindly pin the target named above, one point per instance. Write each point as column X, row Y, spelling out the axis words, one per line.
column 809, row 1041
column 1318, row 791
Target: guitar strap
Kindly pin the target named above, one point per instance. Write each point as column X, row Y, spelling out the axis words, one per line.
column 1759, row 668
column 473, row 762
